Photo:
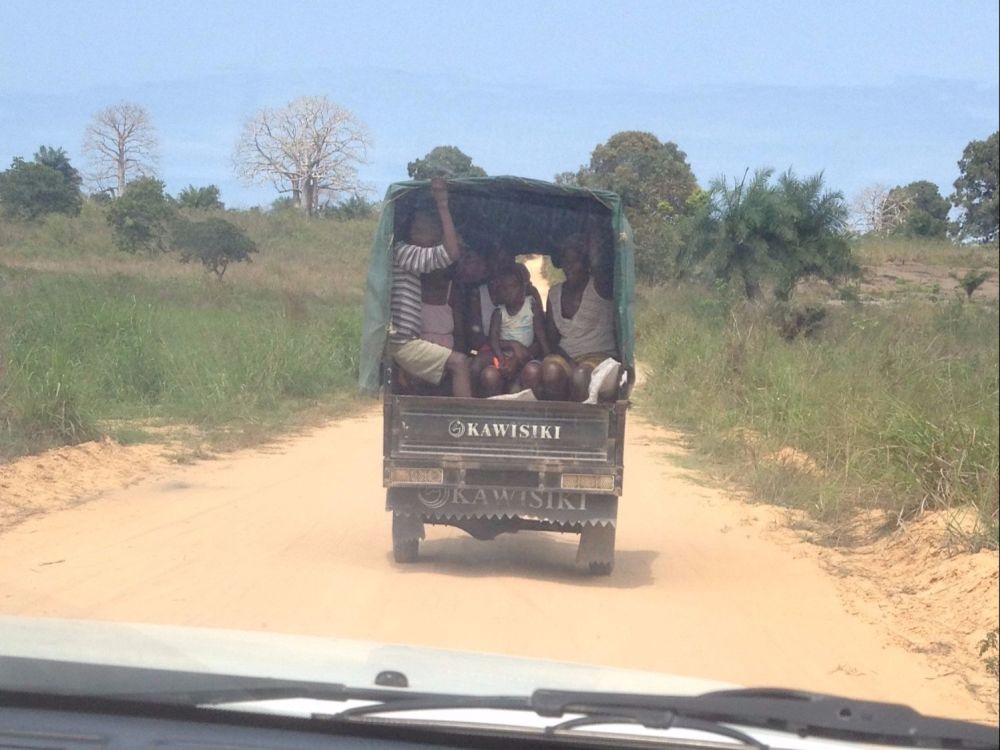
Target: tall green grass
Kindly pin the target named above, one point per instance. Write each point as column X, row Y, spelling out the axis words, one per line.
column 79, row 350
column 896, row 405
column 88, row 334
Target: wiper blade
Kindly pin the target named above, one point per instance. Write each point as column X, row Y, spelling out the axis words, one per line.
column 650, row 719
column 790, row 711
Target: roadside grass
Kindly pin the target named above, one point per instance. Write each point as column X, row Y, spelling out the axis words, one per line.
column 94, row 342
column 878, row 250
column 889, row 408
column 321, row 257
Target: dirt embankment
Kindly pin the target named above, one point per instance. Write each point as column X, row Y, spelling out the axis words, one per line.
column 889, row 278
column 67, row 476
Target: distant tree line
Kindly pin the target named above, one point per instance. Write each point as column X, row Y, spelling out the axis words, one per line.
column 759, row 228
column 919, row 210
column 774, row 229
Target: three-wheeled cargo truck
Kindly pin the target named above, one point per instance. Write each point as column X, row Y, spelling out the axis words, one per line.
column 492, row 466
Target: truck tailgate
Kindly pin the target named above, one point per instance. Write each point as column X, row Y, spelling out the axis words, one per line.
column 491, row 430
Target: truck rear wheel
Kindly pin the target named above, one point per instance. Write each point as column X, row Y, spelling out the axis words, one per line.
column 601, row 568
column 405, row 550
column 406, row 533
column 597, row 549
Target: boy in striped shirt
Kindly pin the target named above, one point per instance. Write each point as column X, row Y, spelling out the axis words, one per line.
column 432, row 244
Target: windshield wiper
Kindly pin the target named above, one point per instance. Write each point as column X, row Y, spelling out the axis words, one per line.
column 721, row 712
column 725, row 713
column 650, row 719
column 788, row 711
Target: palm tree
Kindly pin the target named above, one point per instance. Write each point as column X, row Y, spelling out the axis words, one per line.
column 786, row 229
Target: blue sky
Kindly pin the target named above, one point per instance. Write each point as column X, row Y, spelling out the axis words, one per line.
column 869, row 92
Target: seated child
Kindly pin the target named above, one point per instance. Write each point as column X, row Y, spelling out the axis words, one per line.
column 509, row 362
column 479, row 272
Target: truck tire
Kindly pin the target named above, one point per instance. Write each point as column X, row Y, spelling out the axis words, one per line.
column 405, row 550
column 601, row 568
column 406, row 533
column 597, row 549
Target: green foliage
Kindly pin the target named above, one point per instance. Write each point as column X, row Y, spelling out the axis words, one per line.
column 57, row 159
column 101, row 197
column 355, row 207
column 284, row 203
column 82, row 349
column 49, row 184
column 140, row 218
column 925, row 211
column 972, row 280
column 779, row 231
column 655, row 183
column 652, row 178
column 893, row 407
column 817, row 224
column 976, row 190
column 794, row 321
column 200, row 199
column 111, row 339
column 214, row 242
column 444, row 161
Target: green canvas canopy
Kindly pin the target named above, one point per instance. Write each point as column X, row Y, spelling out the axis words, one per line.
column 528, row 216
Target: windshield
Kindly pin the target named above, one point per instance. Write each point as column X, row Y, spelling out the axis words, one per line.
column 475, row 350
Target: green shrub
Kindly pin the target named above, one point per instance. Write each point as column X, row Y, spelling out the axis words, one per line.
column 47, row 185
column 213, row 242
column 140, row 218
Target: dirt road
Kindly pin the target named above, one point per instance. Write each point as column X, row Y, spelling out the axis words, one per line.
column 294, row 538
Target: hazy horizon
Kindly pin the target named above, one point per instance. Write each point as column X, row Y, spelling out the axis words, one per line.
column 778, row 87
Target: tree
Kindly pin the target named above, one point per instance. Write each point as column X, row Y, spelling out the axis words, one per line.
column 655, row 182
column 651, row 177
column 920, row 210
column 817, row 220
column 49, row 184
column 444, row 161
column 869, row 209
column 976, row 191
column 121, row 145
column 214, row 242
column 309, row 149
column 57, row 159
column 200, row 199
column 140, row 218
column 783, row 230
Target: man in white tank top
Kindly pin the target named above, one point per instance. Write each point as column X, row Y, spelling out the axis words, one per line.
column 579, row 325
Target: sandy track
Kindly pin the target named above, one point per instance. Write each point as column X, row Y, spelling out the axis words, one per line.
column 294, row 538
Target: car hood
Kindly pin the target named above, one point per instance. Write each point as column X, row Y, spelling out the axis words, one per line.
column 314, row 659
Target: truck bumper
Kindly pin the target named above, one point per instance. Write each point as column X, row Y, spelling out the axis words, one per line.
column 547, row 506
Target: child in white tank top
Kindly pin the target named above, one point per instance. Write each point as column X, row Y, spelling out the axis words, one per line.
column 516, row 335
